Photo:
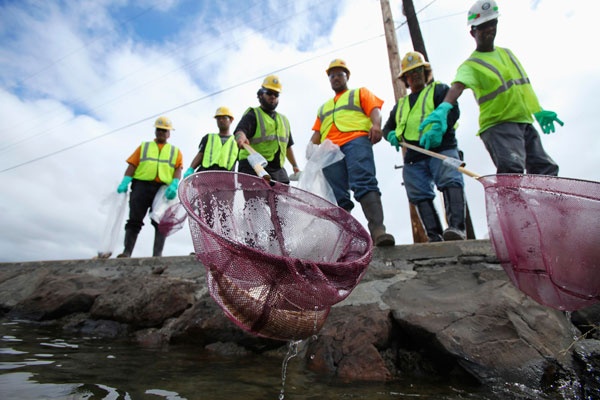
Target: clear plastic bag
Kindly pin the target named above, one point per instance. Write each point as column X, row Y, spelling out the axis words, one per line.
column 312, row 178
column 114, row 205
column 168, row 214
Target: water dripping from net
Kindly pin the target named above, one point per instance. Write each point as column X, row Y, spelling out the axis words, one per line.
column 292, row 352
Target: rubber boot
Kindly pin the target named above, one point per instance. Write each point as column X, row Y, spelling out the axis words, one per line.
column 130, row 238
column 373, row 210
column 159, row 243
column 431, row 220
column 454, row 201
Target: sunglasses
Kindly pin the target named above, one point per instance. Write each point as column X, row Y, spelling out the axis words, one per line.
column 271, row 93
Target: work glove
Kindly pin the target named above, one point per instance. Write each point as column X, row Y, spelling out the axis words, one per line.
column 171, row 191
column 438, row 119
column 188, row 172
column 124, row 185
column 391, row 137
column 546, row 120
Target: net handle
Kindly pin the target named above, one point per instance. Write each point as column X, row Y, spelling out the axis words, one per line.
column 260, row 171
column 452, row 162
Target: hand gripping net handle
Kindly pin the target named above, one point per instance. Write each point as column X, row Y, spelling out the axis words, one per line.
column 277, row 257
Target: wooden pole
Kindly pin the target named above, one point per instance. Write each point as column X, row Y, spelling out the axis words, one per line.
column 418, row 231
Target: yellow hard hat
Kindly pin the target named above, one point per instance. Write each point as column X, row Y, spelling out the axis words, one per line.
column 338, row 63
column 223, row 112
column 272, row 82
column 412, row 60
column 164, row 123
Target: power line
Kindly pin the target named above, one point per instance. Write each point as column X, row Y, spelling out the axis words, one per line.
column 188, row 103
column 267, row 25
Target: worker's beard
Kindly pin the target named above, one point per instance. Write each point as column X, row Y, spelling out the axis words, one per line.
column 265, row 105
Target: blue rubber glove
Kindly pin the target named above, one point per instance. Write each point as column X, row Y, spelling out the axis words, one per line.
column 438, row 119
column 171, row 191
column 124, row 185
column 391, row 137
column 188, row 172
column 546, row 120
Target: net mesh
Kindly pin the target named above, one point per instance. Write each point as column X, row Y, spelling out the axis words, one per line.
column 545, row 232
column 277, row 257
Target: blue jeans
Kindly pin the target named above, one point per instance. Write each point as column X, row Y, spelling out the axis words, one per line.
column 356, row 172
column 419, row 177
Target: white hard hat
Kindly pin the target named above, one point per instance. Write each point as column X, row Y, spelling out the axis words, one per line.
column 482, row 11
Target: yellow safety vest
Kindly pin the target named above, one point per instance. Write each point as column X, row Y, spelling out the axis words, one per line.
column 218, row 153
column 155, row 162
column 504, row 92
column 346, row 112
column 271, row 135
column 408, row 119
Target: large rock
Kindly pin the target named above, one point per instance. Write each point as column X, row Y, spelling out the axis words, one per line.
column 429, row 310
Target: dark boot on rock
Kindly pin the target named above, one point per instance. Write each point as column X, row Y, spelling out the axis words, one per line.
column 454, row 202
column 431, row 220
column 130, row 239
column 373, row 210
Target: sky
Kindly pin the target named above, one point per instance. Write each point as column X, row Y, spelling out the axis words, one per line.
column 81, row 83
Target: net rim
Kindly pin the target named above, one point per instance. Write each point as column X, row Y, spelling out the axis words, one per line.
column 242, row 247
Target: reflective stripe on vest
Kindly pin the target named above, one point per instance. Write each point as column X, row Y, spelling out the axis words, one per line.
column 271, row 135
column 346, row 113
column 218, row 153
column 503, row 85
column 408, row 119
column 155, row 162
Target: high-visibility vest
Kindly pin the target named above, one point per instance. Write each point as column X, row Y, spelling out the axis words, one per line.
column 218, row 153
column 271, row 135
column 408, row 119
column 155, row 162
column 346, row 112
column 504, row 93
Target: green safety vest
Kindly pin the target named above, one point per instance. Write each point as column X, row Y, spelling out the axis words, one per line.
column 503, row 92
column 271, row 135
column 408, row 119
column 218, row 153
column 346, row 112
column 155, row 163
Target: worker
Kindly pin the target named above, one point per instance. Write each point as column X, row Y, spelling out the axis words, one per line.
column 217, row 151
column 421, row 172
column 152, row 165
column 352, row 121
column 268, row 132
column 506, row 101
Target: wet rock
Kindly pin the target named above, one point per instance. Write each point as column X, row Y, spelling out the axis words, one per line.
column 144, row 301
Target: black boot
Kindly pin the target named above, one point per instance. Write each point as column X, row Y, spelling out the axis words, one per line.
column 130, row 238
column 431, row 220
column 373, row 210
column 454, row 202
column 159, row 243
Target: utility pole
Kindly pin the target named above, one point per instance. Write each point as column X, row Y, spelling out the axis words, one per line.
column 418, row 231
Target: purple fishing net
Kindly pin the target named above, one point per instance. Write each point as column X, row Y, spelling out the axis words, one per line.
column 277, row 257
column 546, row 233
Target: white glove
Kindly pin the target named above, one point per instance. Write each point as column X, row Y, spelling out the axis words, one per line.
column 257, row 159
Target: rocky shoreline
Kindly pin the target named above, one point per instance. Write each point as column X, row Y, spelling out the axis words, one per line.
column 439, row 310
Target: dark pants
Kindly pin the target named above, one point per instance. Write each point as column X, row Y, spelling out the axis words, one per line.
column 140, row 201
column 517, row 148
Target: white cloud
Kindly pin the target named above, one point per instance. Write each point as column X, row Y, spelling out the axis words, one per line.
column 67, row 78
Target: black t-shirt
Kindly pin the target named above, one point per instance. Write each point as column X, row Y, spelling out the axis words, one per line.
column 449, row 138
